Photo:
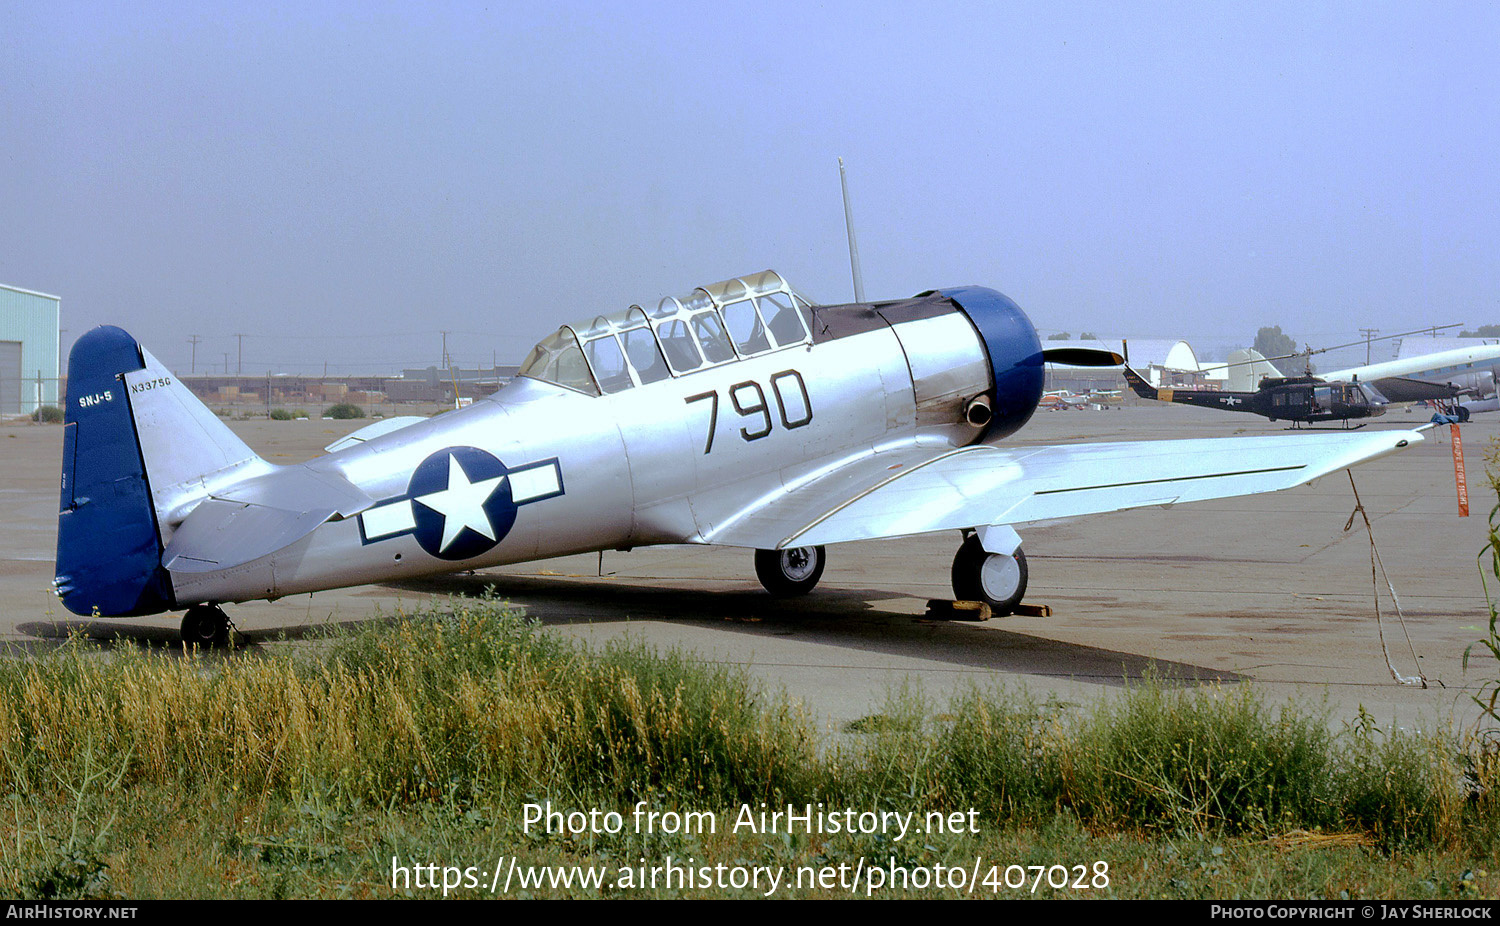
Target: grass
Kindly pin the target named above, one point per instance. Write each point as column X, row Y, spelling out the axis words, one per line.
column 1163, row 760
column 1488, row 698
column 471, row 704
column 421, row 739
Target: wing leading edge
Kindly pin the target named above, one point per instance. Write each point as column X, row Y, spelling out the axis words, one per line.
column 983, row 485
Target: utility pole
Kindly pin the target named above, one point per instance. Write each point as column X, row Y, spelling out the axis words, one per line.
column 447, row 361
column 1369, row 334
column 194, row 341
column 239, row 370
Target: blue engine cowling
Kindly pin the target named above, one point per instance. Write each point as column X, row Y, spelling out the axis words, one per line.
column 1015, row 354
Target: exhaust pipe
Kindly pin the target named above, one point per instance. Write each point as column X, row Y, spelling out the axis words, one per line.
column 977, row 413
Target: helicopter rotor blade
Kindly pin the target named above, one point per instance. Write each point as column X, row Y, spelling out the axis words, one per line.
column 1384, row 337
column 1323, row 350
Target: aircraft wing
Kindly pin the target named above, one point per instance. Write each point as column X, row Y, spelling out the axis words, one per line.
column 1403, row 389
column 983, row 485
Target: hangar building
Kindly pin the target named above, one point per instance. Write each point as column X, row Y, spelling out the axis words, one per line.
column 29, row 329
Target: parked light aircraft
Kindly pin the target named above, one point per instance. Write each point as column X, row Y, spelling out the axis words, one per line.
column 1062, row 400
column 1065, row 399
column 740, row 414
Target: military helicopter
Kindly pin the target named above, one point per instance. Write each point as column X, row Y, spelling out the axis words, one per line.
column 1308, row 399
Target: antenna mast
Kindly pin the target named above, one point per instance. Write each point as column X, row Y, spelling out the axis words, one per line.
column 859, row 281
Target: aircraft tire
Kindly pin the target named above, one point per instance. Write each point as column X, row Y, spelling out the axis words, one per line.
column 789, row 573
column 205, row 626
column 994, row 578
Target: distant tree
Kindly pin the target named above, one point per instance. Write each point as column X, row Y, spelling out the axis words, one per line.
column 1485, row 331
column 1271, row 342
column 1088, row 336
column 345, row 410
column 1060, row 336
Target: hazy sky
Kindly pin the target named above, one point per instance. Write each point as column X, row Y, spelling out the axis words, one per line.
column 340, row 182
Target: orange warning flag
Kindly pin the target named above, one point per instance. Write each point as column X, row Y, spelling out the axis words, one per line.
column 1459, row 478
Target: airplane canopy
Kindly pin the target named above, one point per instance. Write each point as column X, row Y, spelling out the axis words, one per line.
column 712, row 325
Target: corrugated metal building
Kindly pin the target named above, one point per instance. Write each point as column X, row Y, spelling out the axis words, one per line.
column 29, row 327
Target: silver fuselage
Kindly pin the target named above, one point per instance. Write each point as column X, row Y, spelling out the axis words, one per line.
column 675, row 461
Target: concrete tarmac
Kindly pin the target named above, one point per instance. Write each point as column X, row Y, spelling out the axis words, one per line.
column 1267, row 589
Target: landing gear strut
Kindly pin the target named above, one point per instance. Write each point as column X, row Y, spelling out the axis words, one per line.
column 998, row 579
column 788, row 573
column 205, row 625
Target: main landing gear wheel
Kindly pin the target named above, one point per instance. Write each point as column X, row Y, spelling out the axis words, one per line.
column 788, row 573
column 997, row 579
column 205, row 625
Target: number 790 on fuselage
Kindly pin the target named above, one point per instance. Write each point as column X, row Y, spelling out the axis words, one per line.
column 741, row 414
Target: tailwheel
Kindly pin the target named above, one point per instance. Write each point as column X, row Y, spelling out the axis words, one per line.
column 205, row 625
column 788, row 573
column 997, row 579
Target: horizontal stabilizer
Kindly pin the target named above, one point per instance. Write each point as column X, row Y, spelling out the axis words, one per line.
column 219, row 535
column 257, row 517
column 300, row 488
column 371, row 431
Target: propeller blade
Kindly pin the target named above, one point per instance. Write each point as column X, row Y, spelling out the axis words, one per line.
column 1082, row 357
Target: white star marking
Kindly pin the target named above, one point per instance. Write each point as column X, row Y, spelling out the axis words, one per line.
column 462, row 503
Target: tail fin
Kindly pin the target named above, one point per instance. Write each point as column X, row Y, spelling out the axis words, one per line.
column 139, row 450
column 1139, row 385
column 1247, row 368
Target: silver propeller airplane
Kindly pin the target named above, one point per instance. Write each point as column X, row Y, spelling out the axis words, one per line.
column 740, row 414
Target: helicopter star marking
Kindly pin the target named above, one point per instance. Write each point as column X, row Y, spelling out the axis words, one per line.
column 462, row 503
